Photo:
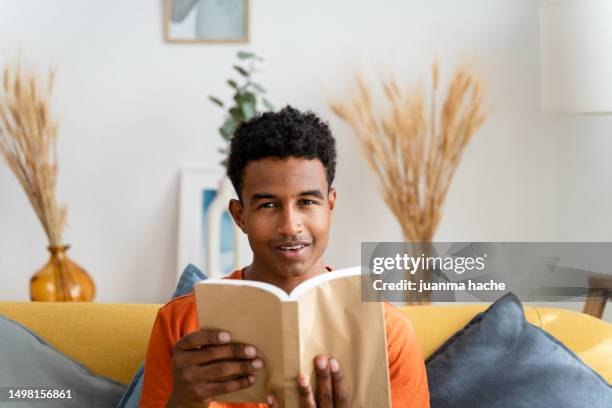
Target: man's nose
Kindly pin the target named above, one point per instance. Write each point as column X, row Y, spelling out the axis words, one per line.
column 290, row 223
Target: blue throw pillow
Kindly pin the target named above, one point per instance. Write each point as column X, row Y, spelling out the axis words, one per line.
column 500, row 360
column 131, row 397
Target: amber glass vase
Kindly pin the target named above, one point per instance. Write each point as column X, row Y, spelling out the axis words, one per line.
column 61, row 280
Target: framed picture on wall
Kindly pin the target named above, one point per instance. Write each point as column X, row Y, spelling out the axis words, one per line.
column 206, row 21
column 198, row 188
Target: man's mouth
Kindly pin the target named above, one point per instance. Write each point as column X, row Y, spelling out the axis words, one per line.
column 291, row 247
column 292, row 250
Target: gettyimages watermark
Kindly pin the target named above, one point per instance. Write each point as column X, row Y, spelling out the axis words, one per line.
column 482, row 271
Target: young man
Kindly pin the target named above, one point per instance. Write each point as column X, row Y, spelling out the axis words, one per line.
column 282, row 166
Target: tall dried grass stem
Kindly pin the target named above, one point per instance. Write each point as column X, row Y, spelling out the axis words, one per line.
column 415, row 153
column 28, row 141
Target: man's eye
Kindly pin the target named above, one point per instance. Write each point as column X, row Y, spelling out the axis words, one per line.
column 267, row 205
column 307, row 202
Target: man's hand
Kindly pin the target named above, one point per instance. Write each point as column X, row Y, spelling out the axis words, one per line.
column 331, row 388
column 206, row 364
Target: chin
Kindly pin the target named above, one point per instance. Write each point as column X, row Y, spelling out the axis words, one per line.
column 293, row 269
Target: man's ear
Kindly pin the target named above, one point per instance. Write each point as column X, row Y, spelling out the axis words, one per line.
column 331, row 199
column 235, row 208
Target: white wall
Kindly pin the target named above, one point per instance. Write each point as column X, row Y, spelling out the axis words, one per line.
column 133, row 109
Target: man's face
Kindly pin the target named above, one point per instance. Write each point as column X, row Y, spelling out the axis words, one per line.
column 286, row 213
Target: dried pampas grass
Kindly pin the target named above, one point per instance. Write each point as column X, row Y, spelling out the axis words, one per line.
column 414, row 149
column 28, row 137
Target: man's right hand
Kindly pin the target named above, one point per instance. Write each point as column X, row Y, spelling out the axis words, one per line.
column 206, row 364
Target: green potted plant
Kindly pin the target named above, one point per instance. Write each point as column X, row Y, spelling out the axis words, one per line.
column 244, row 102
column 244, row 105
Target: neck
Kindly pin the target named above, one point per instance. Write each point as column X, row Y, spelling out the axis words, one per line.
column 256, row 271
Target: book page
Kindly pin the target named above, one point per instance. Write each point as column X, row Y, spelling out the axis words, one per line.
column 256, row 316
column 275, row 290
column 335, row 322
column 324, row 277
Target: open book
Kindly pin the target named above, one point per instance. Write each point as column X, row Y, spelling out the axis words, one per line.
column 323, row 315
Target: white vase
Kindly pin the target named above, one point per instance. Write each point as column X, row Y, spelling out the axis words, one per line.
column 216, row 209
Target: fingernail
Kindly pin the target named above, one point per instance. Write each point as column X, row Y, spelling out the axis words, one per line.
column 333, row 365
column 224, row 337
column 251, row 379
column 250, row 351
column 257, row 363
column 303, row 380
column 321, row 363
column 270, row 399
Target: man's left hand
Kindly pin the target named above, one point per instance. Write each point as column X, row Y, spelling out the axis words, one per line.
column 331, row 387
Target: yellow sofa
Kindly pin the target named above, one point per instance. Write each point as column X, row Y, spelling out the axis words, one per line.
column 111, row 339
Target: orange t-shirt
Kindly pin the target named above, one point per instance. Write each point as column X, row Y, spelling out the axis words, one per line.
column 179, row 318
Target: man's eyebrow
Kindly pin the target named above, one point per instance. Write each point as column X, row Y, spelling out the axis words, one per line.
column 316, row 193
column 267, row 196
column 261, row 196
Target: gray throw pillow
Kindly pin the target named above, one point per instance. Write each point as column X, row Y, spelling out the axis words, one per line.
column 500, row 360
column 26, row 360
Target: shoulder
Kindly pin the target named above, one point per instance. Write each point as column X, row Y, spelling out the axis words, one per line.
column 398, row 326
column 179, row 316
column 393, row 315
column 179, row 304
column 185, row 304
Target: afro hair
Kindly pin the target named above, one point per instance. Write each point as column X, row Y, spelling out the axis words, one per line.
column 283, row 134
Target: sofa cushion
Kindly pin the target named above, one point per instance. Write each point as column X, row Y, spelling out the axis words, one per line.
column 500, row 360
column 30, row 362
column 131, row 397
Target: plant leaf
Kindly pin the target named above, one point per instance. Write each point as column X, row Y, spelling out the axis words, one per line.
column 236, row 114
column 224, row 162
column 216, row 101
column 247, row 102
column 241, row 70
column 245, row 55
column 245, row 96
column 258, row 87
column 228, row 128
column 232, row 83
column 226, row 136
column 248, row 110
column 230, row 124
column 267, row 104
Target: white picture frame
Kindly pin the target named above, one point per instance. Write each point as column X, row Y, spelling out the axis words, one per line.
column 197, row 183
